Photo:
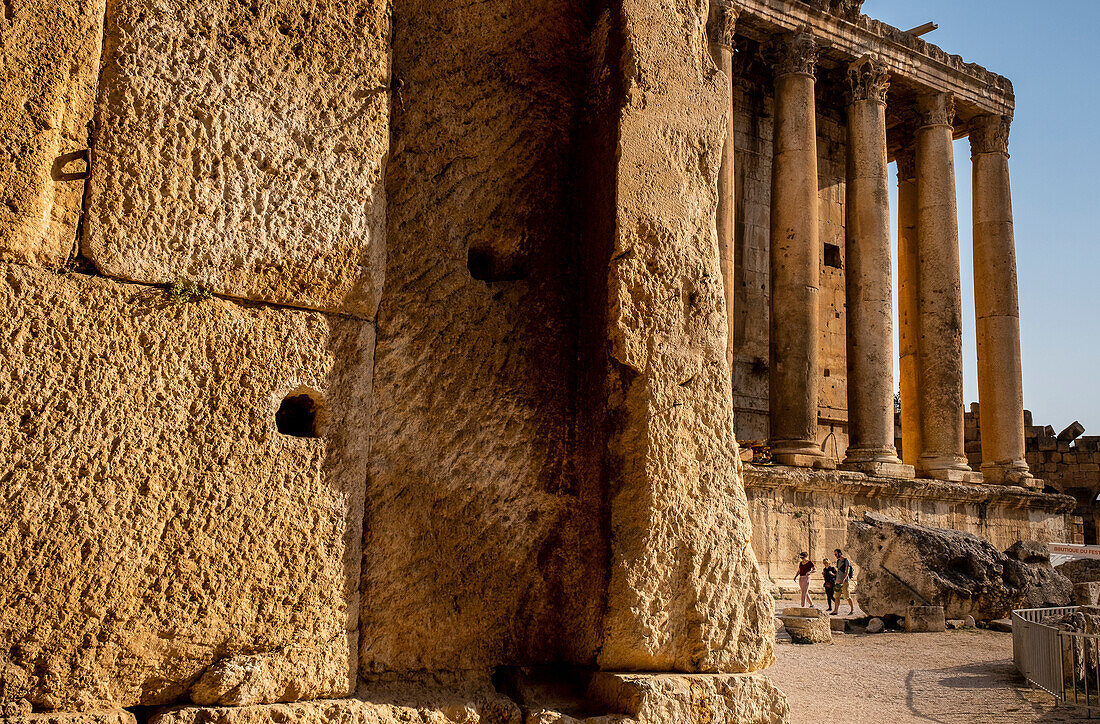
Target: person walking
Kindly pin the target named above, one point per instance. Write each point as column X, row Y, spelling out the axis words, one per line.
column 805, row 568
column 829, row 574
column 843, row 587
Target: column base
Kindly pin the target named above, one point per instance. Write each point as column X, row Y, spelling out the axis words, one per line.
column 800, row 454
column 948, row 475
column 881, row 469
column 1014, row 473
column 949, row 468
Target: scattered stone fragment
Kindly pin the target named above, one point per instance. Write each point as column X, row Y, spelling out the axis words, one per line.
column 924, row 619
column 876, row 625
column 807, row 625
column 969, row 622
column 1001, row 625
column 838, row 625
column 955, row 623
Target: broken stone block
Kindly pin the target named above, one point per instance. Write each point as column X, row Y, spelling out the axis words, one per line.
column 876, row 625
column 1072, row 432
column 903, row 564
column 924, row 619
column 242, row 146
column 675, row 698
column 51, row 54
column 1028, row 569
column 106, row 716
column 1081, row 570
column 191, row 475
column 807, row 625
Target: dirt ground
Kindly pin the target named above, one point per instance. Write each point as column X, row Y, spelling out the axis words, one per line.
column 953, row 677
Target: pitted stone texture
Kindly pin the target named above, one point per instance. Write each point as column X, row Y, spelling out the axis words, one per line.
column 108, row 716
column 408, row 702
column 49, row 57
column 153, row 519
column 807, row 625
column 484, row 538
column 925, row 619
column 674, row 699
column 242, row 145
column 685, row 591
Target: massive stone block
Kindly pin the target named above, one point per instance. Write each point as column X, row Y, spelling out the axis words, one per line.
column 50, row 57
column 155, row 526
column 685, row 592
column 484, row 543
column 243, row 145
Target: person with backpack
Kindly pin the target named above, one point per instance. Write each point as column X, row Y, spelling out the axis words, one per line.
column 829, row 574
column 844, row 578
column 805, row 568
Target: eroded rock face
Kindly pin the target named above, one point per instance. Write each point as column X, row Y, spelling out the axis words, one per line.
column 1028, row 568
column 1082, row 570
column 904, row 564
column 672, row 698
column 154, row 521
column 243, row 145
column 685, row 591
column 50, row 53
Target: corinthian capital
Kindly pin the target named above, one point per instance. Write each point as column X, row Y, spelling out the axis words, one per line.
column 989, row 134
column 795, row 53
column 868, row 80
column 936, row 109
column 906, row 159
column 724, row 26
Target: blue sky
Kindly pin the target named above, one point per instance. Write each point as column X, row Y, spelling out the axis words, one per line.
column 1052, row 55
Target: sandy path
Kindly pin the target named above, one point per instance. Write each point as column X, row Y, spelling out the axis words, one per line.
column 952, row 677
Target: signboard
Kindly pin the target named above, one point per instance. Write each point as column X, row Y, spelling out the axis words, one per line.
column 1062, row 552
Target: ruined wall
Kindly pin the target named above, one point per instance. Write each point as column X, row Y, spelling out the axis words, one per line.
column 166, row 540
column 753, row 118
column 810, row 511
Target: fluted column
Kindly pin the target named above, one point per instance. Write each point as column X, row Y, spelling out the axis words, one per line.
column 869, row 298
column 1000, row 374
column 795, row 258
column 908, row 308
column 723, row 27
column 940, row 301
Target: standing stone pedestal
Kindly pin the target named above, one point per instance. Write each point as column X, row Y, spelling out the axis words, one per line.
column 925, row 619
column 807, row 625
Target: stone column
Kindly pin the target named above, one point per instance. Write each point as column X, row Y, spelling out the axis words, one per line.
column 1000, row 375
column 908, row 308
column 868, row 294
column 794, row 372
column 940, row 302
column 723, row 28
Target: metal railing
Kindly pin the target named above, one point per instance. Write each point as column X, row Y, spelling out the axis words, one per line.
column 1065, row 664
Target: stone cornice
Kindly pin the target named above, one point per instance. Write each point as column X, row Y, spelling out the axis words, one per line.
column 794, row 53
column 989, row 134
column 906, row 56
column 868, row 80
column 857, row 484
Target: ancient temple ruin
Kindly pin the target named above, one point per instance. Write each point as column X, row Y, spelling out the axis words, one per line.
column 824, row 99
column 380, row 360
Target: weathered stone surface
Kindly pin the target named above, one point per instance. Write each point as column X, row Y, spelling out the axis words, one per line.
column 876, row 625
column 672, row 698
column 807, row 625
column 50, row 56
column 1082, row 570
column 415, row 700
column 925, row 619
column 154, row 521
column 108, row 716
column 1028, row 569
column 484, row 538
column 1086, row 594
column 904, row 564
column 685, row 592
column 242, row 146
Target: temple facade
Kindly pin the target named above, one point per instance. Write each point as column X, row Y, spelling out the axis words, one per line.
column 824, row 101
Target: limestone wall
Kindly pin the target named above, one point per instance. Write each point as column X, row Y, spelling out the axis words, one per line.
column 753, row 116
column 795, row 510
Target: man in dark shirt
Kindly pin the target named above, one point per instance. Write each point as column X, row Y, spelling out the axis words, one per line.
column 829, row 574
column 843, row 582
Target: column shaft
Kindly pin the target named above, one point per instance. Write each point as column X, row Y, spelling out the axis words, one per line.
column 795, row 259
column 722, row 42
column 940, row 301
column 908, row 309
column 1000, row 374
column 869, row 298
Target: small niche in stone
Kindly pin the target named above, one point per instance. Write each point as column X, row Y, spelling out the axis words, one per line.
column 300, row 414
column 832, row 255
column 485, row 266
